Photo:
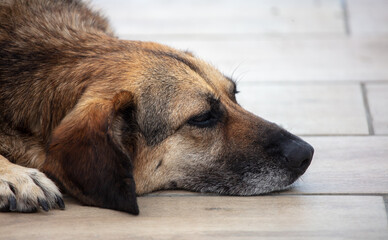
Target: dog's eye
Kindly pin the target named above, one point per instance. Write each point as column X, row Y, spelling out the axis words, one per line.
column 207, row 119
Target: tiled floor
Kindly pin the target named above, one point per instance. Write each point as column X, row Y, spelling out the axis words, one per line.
column 308, row 108
column 318, row 68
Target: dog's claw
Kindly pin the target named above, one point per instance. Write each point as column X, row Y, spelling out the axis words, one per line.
column 60, row 202
column 44, row 204
column 12, row 203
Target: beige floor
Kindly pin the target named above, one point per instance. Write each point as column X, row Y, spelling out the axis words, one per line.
column 318, row 68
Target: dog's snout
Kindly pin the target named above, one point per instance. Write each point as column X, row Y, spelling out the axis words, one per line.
column 298, row 155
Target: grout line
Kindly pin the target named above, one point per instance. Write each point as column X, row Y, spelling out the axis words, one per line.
column 311, row 82
column 338, row 135
column 280, row 194
column 225, row 36
column 385, row 198
column 341, row 135
column 328, row 194
column 369, row 117
column 345, row 11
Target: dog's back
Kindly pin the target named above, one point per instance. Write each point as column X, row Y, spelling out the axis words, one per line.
column 38, row 40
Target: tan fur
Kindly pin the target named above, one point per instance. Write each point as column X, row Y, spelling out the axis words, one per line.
column 98, row 115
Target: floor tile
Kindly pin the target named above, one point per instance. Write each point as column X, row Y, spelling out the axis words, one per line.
column 368, row 17
column 293, row 59
column 308, row 109
column 378, row 104
column 224, row 16
column 346, row 165
column 270, row 217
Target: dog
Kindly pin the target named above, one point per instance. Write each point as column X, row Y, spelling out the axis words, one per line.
column 108, row 119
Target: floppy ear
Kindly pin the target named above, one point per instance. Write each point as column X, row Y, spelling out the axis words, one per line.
column 87, row 156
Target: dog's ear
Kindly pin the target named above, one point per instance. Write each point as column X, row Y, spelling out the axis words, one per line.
column 86, row 154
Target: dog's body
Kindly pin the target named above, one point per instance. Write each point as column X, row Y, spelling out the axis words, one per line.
column 97, row 114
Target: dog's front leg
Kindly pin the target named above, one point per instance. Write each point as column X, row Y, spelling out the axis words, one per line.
column 26, row 189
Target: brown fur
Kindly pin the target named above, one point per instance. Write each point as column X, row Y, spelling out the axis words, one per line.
column 98, row 114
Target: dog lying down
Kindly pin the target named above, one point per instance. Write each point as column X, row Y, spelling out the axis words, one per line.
column 98, row 115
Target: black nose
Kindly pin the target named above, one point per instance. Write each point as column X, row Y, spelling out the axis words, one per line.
column 298, row 154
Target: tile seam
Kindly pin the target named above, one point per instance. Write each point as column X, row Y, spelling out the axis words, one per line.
column 368, row 114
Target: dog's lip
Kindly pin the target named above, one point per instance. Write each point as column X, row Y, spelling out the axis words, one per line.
column 303, row 168
column 294, row 180
column 297, row 171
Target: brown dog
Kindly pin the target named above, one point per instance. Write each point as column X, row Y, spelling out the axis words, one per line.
column 97, row 114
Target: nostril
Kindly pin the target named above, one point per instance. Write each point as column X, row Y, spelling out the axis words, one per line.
column 297, row 164
column 305, row 163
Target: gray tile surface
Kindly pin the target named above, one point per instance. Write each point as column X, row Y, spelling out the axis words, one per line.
column 225, row 16
column 312, row 109
column 294, row 59
column 368, row 17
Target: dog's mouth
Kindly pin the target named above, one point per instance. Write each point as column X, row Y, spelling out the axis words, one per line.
column 257, row 180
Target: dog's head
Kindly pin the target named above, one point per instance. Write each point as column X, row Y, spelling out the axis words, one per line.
column 167, row 120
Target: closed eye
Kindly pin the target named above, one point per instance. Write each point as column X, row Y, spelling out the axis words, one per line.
column 207, row 119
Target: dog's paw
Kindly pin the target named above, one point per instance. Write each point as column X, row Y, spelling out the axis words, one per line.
column 27, row 190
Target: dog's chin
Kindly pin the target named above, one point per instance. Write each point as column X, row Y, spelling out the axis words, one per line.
column 248, row 185
column 259, row 185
